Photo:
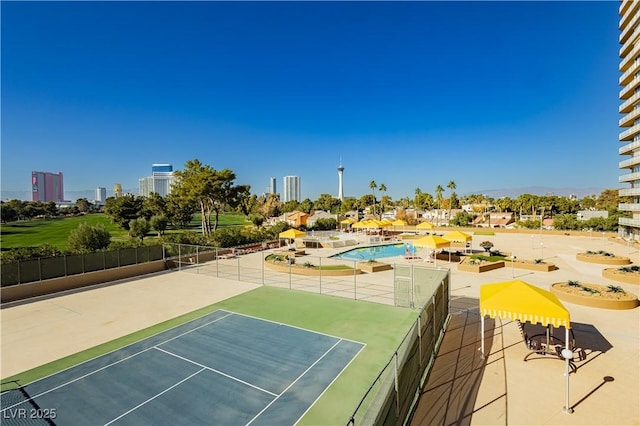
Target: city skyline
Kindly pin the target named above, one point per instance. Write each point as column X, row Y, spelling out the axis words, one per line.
column 409, row 95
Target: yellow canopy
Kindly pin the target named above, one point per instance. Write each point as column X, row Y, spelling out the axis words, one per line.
column 457, row 237
column 424, row 225
column 518, row 300
column 347, row 221
column 399, row 222
column 431, row 241
column 291, row 233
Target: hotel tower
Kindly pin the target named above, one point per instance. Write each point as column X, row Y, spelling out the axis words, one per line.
column 630, row 122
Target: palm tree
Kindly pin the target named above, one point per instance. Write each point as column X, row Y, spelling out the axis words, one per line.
column 382, row 189
column 451, row 185
column 439, row 191
column 373, row 186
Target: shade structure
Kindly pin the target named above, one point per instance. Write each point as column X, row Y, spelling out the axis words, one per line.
column 457, row 237
column 291, row 234
column 518, row 300
column 399, row 222
column 431, row 241
column 424, row 225
column 348, row 221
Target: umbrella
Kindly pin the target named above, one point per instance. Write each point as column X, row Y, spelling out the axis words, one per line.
column 399, row 222
column 348, row 221
column 518, row 300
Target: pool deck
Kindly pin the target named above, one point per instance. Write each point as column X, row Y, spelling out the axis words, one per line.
column 461, row 389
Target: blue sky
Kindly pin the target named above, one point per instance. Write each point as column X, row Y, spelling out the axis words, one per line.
column 410, row 95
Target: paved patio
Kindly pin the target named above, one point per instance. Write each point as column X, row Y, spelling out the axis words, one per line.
column 462, row 389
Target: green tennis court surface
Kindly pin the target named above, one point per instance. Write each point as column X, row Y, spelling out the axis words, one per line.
column 223, row 368
column 379, row 327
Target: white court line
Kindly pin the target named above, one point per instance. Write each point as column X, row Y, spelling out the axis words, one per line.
column 293, row 383
column 292, row 326
column 216, row 371
column 108, row 365
column 329, row 385
column 154, row 397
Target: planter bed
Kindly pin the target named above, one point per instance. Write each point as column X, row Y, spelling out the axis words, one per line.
column 623, row 277
column 303, row 270
column 532, row 266
column 482, row 267
column 605, row 260
column 371, row 267
column 604, row 299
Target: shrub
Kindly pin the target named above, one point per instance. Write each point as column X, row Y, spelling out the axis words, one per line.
column 486, row 245
column 574, row 283
column 87, row 238
column 615, row 289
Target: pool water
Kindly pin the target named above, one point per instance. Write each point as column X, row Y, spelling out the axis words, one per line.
column 377, row 252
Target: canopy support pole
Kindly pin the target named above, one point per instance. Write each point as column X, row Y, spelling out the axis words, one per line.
column 482, row 336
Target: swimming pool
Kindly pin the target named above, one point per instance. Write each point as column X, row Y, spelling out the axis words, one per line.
column 377, row 252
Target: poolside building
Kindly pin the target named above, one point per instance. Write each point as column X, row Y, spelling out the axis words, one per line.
column 630, row 121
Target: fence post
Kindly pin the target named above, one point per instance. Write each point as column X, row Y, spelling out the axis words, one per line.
column 320, row 273
column 179, row 258
column 82, row 257
column 395, row 385
column 65, row 265
column 419, row 341
column 104, row 261
column 355, row 281
column 39, row 269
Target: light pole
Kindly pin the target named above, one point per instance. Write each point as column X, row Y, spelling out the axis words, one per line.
column 568, row 356
column 512, row 272
column 541, row 251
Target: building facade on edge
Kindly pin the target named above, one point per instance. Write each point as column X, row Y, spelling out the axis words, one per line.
column 629, row 123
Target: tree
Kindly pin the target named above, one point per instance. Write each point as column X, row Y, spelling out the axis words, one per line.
column 451, row 185
column 153, row 205
column 8, row 213
column 159, row 224
column 123, row 209
column 383, row 189
column 139, row 228
column 83, row 205
column 257, row 220
column 373, row 186
column 88, row 238
column 208, row 188
column 439, row 191
column 179, row 211
column 272, row 206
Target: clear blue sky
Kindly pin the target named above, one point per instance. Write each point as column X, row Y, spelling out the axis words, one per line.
column 410, row 95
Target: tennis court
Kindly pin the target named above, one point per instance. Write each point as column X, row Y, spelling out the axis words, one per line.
column 221, row 368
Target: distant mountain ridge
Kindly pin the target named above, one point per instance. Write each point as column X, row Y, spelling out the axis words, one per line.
column 539, row 190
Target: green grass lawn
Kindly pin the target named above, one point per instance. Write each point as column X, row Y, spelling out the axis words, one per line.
column 380, row 327
column 51, row 231
column 56, row 231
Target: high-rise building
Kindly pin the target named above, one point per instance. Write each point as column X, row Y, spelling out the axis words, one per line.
column 291, row 189
column 272, row 185
column 630, row 121
column 47, row 187
column 117, row 190
column 159, row 182
column 101, row 195
column 340, row 187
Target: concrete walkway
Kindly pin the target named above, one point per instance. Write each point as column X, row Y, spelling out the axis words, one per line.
column 462, row 389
